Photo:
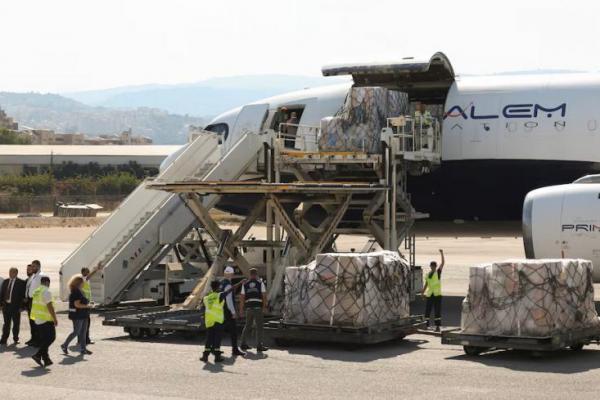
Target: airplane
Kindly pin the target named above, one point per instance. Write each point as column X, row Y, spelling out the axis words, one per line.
column 502, row 135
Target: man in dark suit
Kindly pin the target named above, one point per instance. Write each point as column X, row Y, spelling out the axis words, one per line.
column 12, row 294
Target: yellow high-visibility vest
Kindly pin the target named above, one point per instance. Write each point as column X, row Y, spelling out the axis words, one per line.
column 213, row 309
column 87, row 290
column 434, row 285
column 39, row 310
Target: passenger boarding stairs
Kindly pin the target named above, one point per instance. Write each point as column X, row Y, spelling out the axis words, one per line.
column 149, row 222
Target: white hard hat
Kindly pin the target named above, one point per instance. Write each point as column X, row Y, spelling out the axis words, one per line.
column 229, row 270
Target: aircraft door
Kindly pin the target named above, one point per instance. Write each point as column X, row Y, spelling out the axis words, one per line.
column 249, row 119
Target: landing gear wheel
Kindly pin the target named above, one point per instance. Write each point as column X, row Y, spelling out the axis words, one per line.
column 576, row 347
column 136, row 333
column 473, row 350
column 153, row 332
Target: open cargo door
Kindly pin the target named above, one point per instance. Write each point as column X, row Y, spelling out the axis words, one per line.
column 425, row 81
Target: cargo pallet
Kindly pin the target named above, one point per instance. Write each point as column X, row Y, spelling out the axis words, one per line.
column 153, row 323
column 475, row 344
column 285, row 333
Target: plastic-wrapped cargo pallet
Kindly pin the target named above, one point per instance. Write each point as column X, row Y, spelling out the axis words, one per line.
column 529, row 298
column 348, row 289
column 357, row 126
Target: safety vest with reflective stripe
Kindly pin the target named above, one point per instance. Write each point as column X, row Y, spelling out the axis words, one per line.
column 39, row 310
column 434, row 285
column 213, row 309
column 87, row 290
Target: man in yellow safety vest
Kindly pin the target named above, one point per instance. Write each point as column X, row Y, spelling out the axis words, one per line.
column 87, row 292
column 214, row 316
column 44, row 317
column 433, row 292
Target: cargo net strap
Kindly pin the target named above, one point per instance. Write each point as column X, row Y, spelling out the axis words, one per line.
column 347, row 291
column 530, row 298
column 357, row 124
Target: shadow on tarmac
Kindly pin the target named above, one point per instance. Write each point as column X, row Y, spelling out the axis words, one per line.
column 35, row 372
column 364, row 353
column 71, row 359
column 558, row 362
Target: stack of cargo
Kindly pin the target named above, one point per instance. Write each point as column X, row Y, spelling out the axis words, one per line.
column 529, row 298
column 357, row 126
column 348, row 289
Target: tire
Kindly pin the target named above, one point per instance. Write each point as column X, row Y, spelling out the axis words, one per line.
column 473, row 351
column 577, row 347
column 152, row 332
column 136, row 333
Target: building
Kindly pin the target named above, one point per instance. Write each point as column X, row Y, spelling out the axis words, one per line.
column 49, row 137
column 15, row 159
column 7, row 122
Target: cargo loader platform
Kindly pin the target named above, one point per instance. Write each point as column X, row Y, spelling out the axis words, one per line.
column 285, row 333
column 475, row 344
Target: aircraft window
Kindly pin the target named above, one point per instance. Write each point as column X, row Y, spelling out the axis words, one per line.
column 221, row 129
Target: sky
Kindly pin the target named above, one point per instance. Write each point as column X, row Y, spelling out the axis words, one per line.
column 72, row 45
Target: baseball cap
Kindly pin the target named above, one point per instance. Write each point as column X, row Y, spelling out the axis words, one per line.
column 229, row 270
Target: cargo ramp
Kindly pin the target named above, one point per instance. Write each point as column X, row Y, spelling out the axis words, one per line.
column 149, row 222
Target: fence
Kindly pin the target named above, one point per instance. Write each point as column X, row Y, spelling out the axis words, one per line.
column 45, row 203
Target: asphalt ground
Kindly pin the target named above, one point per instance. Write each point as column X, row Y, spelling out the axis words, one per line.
column 418, row 367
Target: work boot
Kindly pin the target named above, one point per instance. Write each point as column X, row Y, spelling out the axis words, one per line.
column 218, row 357
column 38, row 359
column 47, row 361
column 238, row 352
column 204, row 357
column 261, row 348
column 245, row 347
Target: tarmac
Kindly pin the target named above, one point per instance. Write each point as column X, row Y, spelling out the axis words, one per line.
column 418, row 367
column 168, row 367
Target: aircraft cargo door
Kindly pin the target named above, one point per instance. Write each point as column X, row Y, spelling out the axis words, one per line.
column 250, row 119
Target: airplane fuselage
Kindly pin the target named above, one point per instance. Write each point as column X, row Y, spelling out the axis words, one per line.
column 502, row 136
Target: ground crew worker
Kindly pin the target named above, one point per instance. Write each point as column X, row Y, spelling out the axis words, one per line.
column 254, row 300
column 44, row 317
column 214, row 316
column 433, row 292
column 87, row 292
column 230, row 313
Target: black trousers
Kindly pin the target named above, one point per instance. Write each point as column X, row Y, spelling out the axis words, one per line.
column 12, row 316
column 46, row 335
column 231, row 327
column 89, row 322
column 435, row 303
column 213, row 339
column 32, row 324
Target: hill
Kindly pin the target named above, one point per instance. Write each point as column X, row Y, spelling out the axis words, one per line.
column 51, row 111
column 205, row 98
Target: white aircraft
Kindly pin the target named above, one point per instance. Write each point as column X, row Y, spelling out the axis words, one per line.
column 563, row 221
column 502, row 135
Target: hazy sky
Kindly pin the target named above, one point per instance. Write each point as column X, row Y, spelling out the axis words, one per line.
column 64, row 45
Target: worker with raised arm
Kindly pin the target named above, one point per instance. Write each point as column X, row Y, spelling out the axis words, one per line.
column 433, row 292
column 87, row 292
column 231, row 314
column 214, row 316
